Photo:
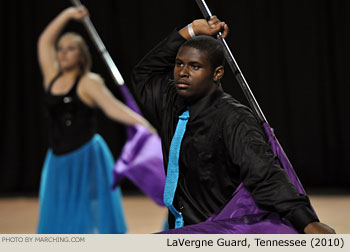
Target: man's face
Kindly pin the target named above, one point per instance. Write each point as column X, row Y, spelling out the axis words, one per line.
column 193, row 74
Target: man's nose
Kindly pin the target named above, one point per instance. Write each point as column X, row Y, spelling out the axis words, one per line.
column 184, row 71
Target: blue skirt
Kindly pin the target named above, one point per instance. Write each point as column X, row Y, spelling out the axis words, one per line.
column 76, row 195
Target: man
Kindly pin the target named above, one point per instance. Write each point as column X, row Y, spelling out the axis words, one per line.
column 223, row 144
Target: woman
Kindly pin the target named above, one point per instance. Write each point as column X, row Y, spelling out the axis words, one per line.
column 75, row 191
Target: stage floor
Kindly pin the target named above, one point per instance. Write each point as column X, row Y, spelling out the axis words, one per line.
column 20, row 214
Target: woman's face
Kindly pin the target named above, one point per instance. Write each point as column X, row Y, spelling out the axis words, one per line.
column 68, row 53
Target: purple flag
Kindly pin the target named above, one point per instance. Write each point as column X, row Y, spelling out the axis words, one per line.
column 141, row 161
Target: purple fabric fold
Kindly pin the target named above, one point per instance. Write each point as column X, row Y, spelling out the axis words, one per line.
column 240, row 216
column 141, row 162
column 269, row 223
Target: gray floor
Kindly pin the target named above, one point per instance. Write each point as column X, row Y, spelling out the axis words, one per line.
column 20, row 214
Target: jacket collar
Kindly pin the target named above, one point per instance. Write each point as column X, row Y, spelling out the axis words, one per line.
column 202, row 104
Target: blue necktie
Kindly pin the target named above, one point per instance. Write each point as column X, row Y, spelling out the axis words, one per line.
column 173, row 168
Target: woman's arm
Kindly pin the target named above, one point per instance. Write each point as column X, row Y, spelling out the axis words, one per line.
column 47, row 39
column 94, row 92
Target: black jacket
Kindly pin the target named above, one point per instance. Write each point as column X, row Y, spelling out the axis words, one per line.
column 223, row 146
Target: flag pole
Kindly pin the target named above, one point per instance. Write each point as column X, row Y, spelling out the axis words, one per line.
column 117, row 77
column 234, row 67
column 274, row 143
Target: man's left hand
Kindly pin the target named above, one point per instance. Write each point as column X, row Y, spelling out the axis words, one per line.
column 318, row 228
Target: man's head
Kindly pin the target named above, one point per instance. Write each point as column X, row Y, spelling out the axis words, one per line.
column 199, row 67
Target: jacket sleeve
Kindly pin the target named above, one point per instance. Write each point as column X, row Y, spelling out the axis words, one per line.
column 151, row 77
column 261, row 173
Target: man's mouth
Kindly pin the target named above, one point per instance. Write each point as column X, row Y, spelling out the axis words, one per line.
column 182, row 84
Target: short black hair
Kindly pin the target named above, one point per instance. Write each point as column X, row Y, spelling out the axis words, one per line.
column 212, row 46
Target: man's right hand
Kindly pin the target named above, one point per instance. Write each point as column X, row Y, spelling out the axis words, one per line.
column 204, row 27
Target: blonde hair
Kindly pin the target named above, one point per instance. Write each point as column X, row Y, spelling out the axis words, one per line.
column 85, row 56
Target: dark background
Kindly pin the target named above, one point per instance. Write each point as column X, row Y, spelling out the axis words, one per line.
column 293, row 53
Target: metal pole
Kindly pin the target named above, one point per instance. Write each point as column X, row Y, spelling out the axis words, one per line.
column 234, row 67
column 117, row 77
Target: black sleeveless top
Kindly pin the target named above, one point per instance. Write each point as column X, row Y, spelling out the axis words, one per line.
column 71, row 122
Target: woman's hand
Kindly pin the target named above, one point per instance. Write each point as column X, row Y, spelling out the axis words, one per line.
column 76, row 13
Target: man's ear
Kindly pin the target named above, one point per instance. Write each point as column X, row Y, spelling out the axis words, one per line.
column 218, row 73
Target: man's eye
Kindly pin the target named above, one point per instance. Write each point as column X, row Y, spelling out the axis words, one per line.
column 195, row 67
column 179, row 64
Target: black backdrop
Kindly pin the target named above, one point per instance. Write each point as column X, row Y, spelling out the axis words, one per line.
column 294, row 54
